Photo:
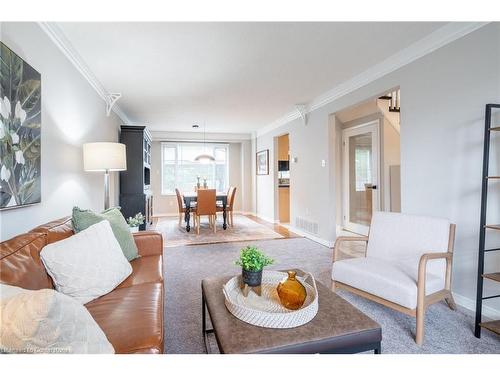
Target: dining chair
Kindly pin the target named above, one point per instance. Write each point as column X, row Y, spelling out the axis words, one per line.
column 206, row 205
column 231, row 194
column 182, row 206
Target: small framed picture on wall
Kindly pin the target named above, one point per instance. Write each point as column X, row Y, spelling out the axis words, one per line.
column 263, row 162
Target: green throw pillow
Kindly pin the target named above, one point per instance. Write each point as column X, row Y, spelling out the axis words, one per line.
column 82, row 219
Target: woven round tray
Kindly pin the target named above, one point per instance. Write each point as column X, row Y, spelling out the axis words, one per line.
column 266, row 310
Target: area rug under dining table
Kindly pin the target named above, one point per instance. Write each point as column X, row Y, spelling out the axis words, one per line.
column 244, row 229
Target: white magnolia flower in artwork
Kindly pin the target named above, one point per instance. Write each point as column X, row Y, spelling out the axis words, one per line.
column 20, row 113
column 4, row 173
column 12, row 202
column 15, row 138
column 19, row 157
column 2, row 130
column 5, row 107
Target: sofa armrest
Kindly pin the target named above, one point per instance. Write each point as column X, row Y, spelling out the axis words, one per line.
column 339, row 241
column 149, row 243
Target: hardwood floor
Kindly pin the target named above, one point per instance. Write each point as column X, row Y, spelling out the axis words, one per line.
column 276, row 227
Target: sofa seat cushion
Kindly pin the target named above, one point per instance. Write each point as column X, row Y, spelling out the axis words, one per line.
column 147, row 269
column 131, row 317
column 395, row 282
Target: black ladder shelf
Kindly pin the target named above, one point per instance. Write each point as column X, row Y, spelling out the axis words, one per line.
column 493, row 326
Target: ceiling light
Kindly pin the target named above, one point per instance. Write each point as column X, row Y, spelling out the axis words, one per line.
column 204, row 157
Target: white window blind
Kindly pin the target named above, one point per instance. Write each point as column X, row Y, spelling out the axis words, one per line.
column 179, row 169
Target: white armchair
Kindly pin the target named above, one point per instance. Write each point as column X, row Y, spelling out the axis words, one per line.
column 407, row 265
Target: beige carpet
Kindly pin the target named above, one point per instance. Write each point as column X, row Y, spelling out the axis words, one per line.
column 244, row 229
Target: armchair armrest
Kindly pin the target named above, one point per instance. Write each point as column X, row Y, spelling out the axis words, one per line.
column 149, row 243
column 339, row 241
column 422, row 267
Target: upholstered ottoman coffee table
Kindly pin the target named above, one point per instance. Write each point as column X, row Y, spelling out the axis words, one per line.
column 338, row 327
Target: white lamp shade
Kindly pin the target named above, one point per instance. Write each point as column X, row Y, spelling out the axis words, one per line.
column 104, row 156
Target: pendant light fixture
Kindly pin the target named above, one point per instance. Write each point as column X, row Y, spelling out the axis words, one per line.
column 204, row 158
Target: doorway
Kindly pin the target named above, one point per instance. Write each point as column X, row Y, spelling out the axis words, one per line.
column 284, row 179
column 366, row 139
column 361, row 160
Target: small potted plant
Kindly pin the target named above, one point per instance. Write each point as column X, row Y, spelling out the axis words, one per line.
column 252, row 262
column 135, row 222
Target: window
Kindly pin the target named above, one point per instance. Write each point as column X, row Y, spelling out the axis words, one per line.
column 180, row 170
column 363, row 165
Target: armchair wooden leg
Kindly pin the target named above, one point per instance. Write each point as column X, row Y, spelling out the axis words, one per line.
column 333, row 286
column 232, row 219
column 197, row 224
column 419, row 339
column 214, row 224
column 451, row 302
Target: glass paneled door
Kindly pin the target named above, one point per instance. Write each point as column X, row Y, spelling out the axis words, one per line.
column 360, row 176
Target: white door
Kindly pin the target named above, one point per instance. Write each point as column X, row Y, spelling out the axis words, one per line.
column 360, row 176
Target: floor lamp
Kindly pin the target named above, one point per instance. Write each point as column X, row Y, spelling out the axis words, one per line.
column 104, row 157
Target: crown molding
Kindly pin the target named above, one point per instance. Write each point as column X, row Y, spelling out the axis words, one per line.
column 437, row 39
column 184, row 136
column 65, row 46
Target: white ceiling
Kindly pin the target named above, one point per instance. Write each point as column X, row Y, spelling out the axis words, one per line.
column 235, row 77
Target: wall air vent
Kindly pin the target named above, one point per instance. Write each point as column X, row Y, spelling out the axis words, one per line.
column 306, row 225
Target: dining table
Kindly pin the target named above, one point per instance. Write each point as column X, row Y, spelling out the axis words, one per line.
column 191, row 198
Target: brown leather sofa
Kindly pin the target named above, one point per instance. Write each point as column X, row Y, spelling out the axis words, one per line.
column 131, row 316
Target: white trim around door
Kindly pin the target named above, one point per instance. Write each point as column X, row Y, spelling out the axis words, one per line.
column 368, row 184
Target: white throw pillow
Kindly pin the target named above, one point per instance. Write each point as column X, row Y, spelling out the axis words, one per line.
column 88, row 264
column 46, row 321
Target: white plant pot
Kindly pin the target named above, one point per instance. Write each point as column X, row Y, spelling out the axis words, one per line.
column 134, row 229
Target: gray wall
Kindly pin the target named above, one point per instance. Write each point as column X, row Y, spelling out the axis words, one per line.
column 72, row 114
column 391, row 155
column 442, row 121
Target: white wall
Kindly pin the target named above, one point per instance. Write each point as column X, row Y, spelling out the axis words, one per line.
column 247, row 177
column 442, row 121
column 72, row 114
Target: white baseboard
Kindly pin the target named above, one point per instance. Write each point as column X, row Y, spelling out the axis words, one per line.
column 321, row 241
column 165, row 215
column 298, row 231
column 268, row 219
column 470, row 304
column 245, row 213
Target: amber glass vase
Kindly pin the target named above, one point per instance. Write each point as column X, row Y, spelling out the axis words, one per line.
column 291, row 292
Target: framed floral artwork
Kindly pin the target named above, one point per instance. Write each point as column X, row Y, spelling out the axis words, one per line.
column 263, row 162
column 20, row 131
